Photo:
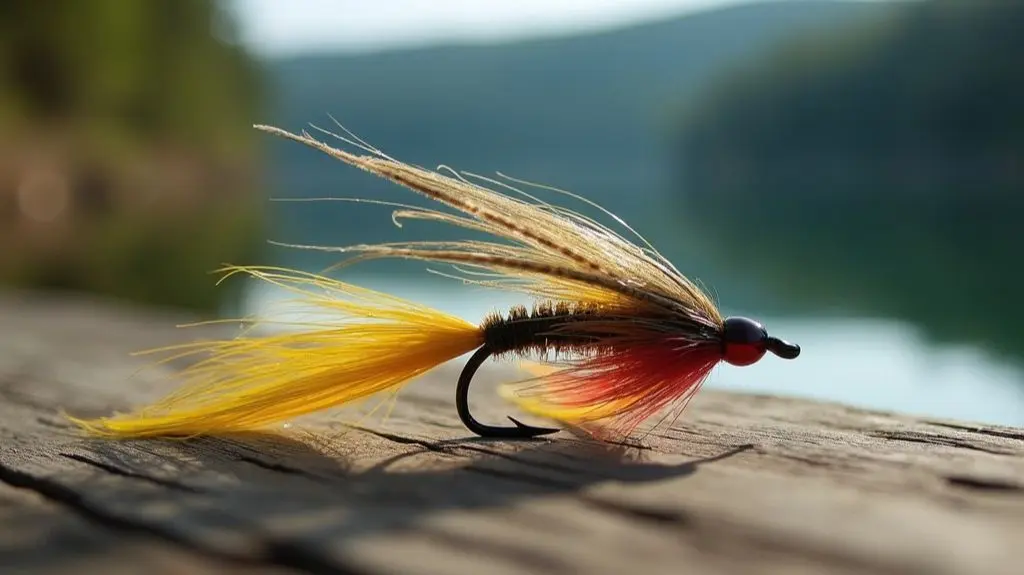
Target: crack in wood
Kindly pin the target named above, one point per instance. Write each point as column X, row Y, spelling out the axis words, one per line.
column 934, row 439
column 1008, row 434
column 277, row 554
column 983, row 484
column 113, row 469
column 435, row 446
column 281, row 468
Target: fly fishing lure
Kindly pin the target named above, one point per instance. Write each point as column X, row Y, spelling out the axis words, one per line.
column 635, row 336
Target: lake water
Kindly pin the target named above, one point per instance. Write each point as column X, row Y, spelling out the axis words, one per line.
column 869, row 363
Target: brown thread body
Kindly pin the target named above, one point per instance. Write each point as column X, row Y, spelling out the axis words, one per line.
column 542, row 329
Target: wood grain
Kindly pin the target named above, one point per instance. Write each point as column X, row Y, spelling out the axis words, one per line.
column 742, row 483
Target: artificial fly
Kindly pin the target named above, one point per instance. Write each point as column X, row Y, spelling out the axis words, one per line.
column 637, row 336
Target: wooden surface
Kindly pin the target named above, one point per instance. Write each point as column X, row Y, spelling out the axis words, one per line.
column 741, row 484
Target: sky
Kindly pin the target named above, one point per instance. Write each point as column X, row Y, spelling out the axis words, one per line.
column 277, row 28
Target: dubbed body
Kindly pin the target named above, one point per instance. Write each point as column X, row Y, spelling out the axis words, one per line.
column 577, row 328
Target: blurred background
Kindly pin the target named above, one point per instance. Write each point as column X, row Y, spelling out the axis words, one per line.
column 849, row 172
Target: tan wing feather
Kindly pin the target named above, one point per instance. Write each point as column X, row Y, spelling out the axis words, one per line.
column 556, row 253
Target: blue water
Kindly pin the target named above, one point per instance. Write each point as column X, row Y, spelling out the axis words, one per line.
column 868, row 363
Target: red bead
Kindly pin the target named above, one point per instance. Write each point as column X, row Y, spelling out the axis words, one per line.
column 743, row 354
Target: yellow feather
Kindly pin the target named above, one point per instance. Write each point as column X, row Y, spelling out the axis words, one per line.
column 378, row 343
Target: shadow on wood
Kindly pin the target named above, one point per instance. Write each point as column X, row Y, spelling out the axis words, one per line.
column 194, row 493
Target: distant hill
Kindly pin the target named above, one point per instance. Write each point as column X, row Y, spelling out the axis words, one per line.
column 590, row 113
column 880, row 170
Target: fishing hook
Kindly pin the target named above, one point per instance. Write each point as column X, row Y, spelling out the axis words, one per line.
column 520, row 431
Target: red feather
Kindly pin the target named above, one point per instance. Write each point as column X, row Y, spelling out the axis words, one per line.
column 620, row 388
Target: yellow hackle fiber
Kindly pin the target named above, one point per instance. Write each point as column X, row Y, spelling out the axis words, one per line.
column 541, row 407
column 572, row 415
column 378, row 343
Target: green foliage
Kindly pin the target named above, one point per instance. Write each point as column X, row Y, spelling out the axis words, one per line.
column 153, row 259
column 144, row 108
column 878, row 171
column 144, row 69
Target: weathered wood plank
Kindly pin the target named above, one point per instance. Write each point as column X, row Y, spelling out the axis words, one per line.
column 741, row 483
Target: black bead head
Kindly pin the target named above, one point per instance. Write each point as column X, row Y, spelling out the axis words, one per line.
column 745, row 342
